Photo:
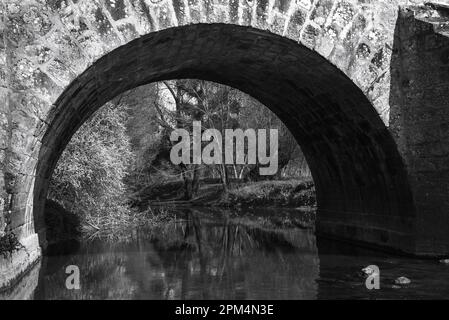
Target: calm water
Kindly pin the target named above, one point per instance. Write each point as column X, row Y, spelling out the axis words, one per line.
column 272, row 254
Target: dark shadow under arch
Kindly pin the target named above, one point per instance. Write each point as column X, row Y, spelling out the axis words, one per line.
column 362, row 187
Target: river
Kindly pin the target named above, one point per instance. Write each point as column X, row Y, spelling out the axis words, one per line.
column 224, row 254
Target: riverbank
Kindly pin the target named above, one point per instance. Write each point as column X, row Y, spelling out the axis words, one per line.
column 280, row 193
column 157, row 205
column 63, row 225
column 290, row 193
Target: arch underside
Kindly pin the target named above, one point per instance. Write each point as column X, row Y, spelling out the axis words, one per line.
column 362, row 187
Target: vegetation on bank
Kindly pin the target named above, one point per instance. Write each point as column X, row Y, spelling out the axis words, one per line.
column 275, row 193
column 159, row 204
column 63, row 225
column 117, row 165
column 272, row 193
column 89, row 178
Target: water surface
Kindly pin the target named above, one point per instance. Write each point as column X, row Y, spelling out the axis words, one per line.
column 210, row 254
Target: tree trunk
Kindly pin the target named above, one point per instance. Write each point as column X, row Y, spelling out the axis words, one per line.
column 195, row 180
column 236, row 175
column 224, row 178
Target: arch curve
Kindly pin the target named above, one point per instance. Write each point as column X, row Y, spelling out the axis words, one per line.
column 362, row 187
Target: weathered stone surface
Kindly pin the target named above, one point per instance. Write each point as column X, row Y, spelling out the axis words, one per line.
column 402, row 281
column 361, row 84
column 19, row 262
column 24, row 289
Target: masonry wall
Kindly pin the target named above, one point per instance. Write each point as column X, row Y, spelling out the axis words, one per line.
column 419, row 105
column 4, row 113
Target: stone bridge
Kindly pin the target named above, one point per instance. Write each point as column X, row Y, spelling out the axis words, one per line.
column 363, row 85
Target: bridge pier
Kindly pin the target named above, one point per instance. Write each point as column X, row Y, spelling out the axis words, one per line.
column 419, row 120
column 419, row 123
column 13, row 267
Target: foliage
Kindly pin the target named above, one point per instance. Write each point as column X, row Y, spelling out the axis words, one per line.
column 8, row 244
column 88, row 179
column 272, row 193
column 145, row 136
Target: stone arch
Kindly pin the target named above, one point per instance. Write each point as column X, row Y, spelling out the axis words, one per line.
column 50, row 43
column 394, row 51
column 362, row 187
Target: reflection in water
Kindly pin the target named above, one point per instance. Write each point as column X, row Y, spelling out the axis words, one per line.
column 25, row 287
column 200, row 255
column 203, row 254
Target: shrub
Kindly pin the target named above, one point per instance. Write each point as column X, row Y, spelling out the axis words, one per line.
column 88, row 179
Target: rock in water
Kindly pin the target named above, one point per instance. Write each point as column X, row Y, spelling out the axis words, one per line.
column 402, row 280
column 368, row 271
column 444, row 261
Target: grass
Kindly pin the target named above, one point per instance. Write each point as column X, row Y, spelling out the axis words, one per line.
column 288, row 193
